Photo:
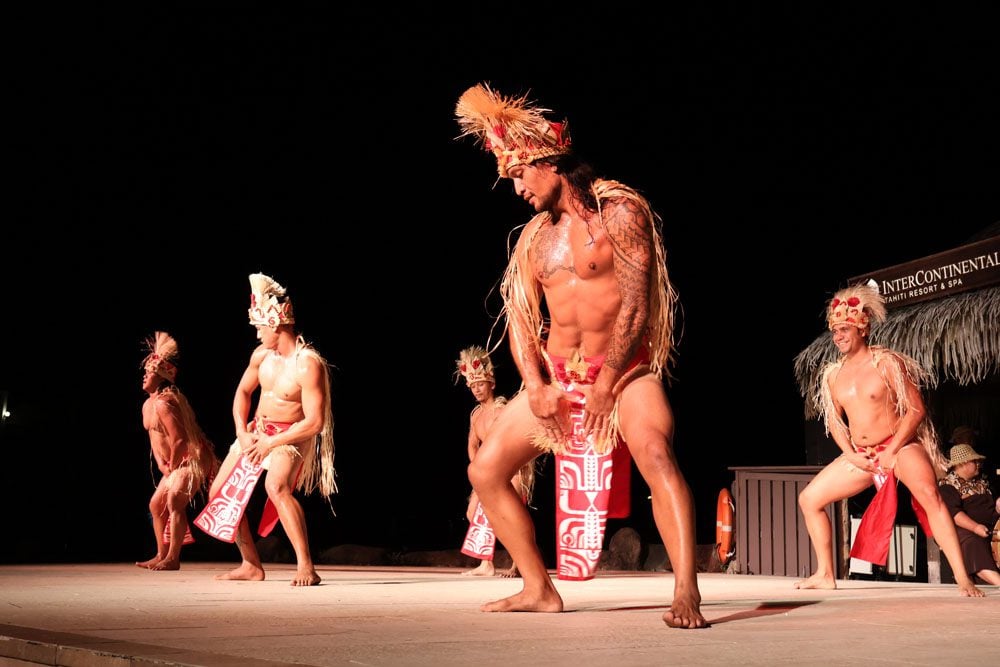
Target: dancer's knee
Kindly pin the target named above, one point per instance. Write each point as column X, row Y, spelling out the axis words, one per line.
column 479, row 475
column 653, row 456
column 808, row 501
column 276, row 487
column 927, row 495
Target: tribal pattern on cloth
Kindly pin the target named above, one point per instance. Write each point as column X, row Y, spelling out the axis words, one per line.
column 585, row 500
column 223, row 513
column 584, row 478
column 480, row 540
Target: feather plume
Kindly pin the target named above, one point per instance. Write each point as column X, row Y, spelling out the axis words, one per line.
column 265, row 284
column 163, row 345
column 481, row 111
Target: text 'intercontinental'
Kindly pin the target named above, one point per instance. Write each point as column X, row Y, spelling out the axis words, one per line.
column 928, row 281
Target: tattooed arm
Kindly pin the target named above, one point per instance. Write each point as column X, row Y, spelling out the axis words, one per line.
column 630, row 231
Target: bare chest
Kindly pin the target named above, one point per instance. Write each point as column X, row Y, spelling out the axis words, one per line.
column 482, row 421
column 570, row 250
column 278, row 378
column 859, row 385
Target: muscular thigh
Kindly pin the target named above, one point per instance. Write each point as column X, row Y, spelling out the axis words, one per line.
column 645, row 414
column 914, row 469
column 160, row 494
column 283, row 467
column 835, row 482
column 508, row 445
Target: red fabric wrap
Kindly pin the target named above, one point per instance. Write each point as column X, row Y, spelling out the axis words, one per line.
column 871, row 543
column 586, row 497
column 269, row 518
column 188, row 537
column 224, row 511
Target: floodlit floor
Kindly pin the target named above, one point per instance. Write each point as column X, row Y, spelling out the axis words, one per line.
column 118, row 614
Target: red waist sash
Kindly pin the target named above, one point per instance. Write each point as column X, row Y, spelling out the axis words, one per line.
column 224, row 511
column 871, row 543
column 586, row 497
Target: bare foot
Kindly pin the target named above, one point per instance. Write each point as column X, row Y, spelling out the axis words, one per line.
column 817, row 581
column 509, row 573
column 684, row 613
column 548, row 602
column 306, row 578
column 484, row 569
column 970, row 591
column 167, row 564
column 149, row 563
column 245, row 572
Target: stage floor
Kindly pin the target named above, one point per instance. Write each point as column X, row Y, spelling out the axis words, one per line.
column 118, row 614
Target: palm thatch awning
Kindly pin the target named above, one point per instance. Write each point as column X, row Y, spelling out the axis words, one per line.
column 954, row 339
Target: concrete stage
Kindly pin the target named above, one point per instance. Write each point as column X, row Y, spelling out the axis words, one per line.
column 118, row 614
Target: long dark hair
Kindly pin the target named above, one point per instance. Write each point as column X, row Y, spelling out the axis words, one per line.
column 580, row 175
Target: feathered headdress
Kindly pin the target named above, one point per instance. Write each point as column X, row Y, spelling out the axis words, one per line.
column 510, row 127
column 162, row 350
column 856, row 305
column 475, row 366
column 269, row 306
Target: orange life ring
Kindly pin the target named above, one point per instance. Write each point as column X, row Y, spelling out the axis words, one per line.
column 724, row 542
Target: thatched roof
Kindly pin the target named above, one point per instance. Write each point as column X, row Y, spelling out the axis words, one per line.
column 956, row 338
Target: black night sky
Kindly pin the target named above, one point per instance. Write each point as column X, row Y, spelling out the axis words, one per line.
column 157, row 159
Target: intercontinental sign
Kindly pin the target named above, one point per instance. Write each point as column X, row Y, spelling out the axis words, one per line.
column 965, row 268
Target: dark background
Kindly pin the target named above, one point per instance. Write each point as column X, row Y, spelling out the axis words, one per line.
column 155, row 159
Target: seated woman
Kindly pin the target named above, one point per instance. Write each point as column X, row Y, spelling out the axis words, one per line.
column 967, row 494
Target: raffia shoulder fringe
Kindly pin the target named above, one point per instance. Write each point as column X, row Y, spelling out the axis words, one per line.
column 522, row 300
column 897, row 371
column 498, row 402
column 317, row 469
column 201, row 458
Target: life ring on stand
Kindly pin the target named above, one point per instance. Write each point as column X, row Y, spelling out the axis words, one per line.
column 725, row 543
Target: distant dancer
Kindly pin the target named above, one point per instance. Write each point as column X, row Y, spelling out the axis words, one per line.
column 475, row 366
column 871, row 403
column 183, row 454
column 291, row 434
